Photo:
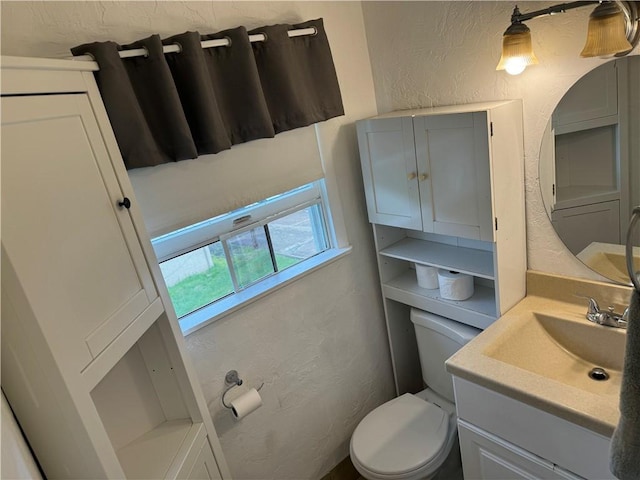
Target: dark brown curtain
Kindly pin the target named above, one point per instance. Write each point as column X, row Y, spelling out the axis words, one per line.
column 297, row 74
column 176, row 106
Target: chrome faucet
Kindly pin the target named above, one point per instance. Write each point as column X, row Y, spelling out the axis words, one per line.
column 607, row 318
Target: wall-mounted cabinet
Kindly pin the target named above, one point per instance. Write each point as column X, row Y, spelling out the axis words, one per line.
column 445, row 188
column 411, row 169
column 92, row 361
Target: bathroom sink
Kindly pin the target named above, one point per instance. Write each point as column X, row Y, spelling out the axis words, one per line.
column 542, row 350
column 608, row 260
column 565, row 350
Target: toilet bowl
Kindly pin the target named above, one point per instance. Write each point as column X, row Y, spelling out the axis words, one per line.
column 412, row 436
column 407, row 438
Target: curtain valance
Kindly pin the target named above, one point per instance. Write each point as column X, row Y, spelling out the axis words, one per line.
column 166, row 107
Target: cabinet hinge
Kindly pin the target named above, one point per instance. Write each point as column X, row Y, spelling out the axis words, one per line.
column 496, row 220
column 491, row 128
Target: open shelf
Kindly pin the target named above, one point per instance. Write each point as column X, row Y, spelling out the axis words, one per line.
column 579, row 195
column 478, row 263
column 478, row 311
column 143, row 410
column 151, row 455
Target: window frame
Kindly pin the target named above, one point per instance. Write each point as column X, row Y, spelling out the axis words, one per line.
column 226, row 226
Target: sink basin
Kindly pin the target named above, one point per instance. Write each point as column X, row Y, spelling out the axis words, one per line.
column 608, row 260
column 564, row 350
column 540, row 352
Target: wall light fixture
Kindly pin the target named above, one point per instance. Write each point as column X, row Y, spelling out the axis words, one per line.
column 614, row 29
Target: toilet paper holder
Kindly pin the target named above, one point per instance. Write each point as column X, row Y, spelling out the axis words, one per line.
column 232, row 379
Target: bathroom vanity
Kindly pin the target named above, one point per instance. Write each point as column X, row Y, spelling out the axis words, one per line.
column 527, row 406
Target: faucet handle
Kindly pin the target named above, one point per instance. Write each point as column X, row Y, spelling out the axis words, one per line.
column 593, row 306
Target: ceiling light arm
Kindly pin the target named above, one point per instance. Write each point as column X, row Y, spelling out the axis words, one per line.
column 517, row 17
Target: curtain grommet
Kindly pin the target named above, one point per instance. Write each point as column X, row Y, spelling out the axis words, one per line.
column 229, row 41
column 315, row 32
column 179, row 45
column 266, row 37
column 146, row 51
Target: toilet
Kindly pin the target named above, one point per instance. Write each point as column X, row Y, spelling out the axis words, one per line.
column 412, row 436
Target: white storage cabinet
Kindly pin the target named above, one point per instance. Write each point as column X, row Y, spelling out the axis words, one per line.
column 501, row 437
column 93, row 362
column 445, row 188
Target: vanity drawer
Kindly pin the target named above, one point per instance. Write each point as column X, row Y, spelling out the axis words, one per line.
column 563, row 443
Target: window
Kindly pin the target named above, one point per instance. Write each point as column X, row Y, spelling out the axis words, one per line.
column 216, row 265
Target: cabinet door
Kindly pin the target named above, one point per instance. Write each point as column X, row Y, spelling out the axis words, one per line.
column 596, row 97
column 579, row 227
column 205, row 467
column 487, row 457
column 389, row 171
column 453, row 168
column 75, row 251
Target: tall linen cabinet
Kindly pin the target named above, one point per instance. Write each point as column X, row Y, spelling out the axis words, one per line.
column 445, row 188
column 93, row 360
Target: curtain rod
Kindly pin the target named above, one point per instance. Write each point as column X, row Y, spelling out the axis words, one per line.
column 222, row 42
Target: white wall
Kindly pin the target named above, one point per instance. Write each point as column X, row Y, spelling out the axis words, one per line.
column 441, row 53
column 319, row 344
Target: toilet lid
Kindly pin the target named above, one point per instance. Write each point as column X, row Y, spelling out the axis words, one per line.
column 400, row 436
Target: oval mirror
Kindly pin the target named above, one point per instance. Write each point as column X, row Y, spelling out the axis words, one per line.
column 590, row 166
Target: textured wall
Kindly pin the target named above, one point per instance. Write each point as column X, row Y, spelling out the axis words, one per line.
column 441, row 53
column 319, row 344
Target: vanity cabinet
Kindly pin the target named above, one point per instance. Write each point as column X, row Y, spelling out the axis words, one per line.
column 445, row 188
column 501, row 437
column 489, row 457
column 93, row 360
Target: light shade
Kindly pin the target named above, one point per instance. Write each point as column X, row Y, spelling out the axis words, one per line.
column 606, row 34
column 517, row 51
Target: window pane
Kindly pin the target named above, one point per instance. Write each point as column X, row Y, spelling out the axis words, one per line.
column 250, row 256
column 297, row 236
column 197, row 278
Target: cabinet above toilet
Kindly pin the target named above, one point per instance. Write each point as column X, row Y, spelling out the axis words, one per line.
column 445, row 187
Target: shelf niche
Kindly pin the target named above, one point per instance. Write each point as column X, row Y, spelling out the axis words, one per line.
column 141, row 407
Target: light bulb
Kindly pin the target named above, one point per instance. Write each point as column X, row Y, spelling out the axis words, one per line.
column 515, row 65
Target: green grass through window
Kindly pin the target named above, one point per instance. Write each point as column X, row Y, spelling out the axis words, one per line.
column 204, row 288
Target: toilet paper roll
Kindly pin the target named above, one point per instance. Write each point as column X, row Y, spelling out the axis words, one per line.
column 427, row 276
column 455, row 285
column 245, row 404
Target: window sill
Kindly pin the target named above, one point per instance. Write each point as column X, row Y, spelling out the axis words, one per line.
column 209, row 314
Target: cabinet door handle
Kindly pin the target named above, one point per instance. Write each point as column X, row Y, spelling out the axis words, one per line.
column 423, row 177
column 411, row 176
column 126, row 203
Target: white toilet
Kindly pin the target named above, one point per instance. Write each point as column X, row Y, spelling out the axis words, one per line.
column 411, row 436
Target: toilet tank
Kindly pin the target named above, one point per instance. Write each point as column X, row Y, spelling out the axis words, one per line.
column 439, row 338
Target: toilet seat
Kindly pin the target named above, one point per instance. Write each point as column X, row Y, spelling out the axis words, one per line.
column 404, row 438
